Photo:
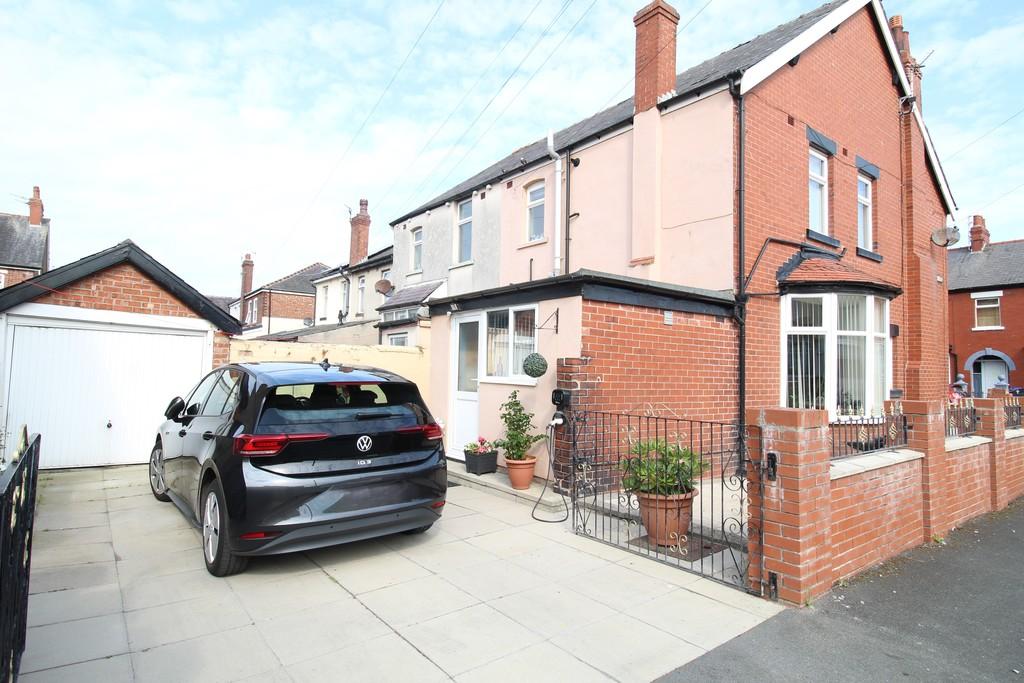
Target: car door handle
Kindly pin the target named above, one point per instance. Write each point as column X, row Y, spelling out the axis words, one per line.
column 182, row 432
column 207, row 435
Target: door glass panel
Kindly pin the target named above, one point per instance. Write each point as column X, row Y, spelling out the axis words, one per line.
column 469, row 342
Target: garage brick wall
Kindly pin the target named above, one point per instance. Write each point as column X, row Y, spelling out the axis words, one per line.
column 15, row 275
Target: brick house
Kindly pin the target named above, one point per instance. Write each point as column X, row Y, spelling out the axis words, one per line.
column 986, row 311
column 754, row 231
column 24, row 243
column 283, row 304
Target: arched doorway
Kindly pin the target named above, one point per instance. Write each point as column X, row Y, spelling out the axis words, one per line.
column 986, row 373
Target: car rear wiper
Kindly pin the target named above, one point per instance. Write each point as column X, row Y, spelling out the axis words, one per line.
column 373, row 416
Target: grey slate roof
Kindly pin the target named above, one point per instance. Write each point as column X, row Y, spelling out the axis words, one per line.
column 707, row 73
column 287, row 335
column 374, row 260
column 222, row 302
column 300, row 282
column 999, row 264
column 413, row 295
column 23, row 245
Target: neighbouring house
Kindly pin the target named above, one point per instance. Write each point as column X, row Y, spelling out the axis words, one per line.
column 24, row 243
column 93, row 352
column 347, row 296
column 283, row 304
column 753, row 231
column 986, row 311
column 222, row 302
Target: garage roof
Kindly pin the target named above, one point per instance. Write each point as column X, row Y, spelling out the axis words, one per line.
column 125, row 252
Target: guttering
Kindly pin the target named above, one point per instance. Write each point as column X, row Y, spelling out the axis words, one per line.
column 557, row 158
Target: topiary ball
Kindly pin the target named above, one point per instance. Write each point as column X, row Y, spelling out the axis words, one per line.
column 534, row 365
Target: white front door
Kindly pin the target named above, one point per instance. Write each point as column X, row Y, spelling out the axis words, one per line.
column 991, row 371
column 466, row 368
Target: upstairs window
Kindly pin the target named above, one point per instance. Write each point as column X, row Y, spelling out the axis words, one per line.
column 251, row 308
column 464, row 232
column 817, row 193
column 345, row 291
column 417, row 249
column 987, row 314
column 535, row 212
column 360, row 296
column 865, row 230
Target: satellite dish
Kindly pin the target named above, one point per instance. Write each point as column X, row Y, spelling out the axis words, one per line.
column 384, row 287
column 944, row 237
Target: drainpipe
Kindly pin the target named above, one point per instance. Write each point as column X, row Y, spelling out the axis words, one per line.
column 344, row 304
column 570, row 162
column 557, row 269
column 741, row 284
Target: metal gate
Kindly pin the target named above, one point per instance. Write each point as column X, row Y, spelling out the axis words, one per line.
column 670, row 489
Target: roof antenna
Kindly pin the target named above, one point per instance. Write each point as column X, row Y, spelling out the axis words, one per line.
column 325, row 364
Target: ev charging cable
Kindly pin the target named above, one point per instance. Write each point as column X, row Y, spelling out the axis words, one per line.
column 557, row 420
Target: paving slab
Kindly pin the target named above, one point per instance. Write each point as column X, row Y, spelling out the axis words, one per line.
column 363, row 662
column 70, row 642
column 226, row 656
column 76, row 603
column 316, row 631
column 540, row 663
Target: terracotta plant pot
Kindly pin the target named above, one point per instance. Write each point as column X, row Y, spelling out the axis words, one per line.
column 666, row 518
column 520, row 472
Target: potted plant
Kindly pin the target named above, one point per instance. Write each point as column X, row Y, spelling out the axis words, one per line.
column 662, row 475
column 481, row 457
column 518, row 441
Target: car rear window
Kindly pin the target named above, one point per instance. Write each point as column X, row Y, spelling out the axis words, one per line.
column 291, row 403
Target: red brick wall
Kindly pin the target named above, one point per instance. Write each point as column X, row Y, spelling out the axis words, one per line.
column 221, row 348
column 875, row 515
column 969, row 475
column 14, row 276
column 966, row 342
column 119, row 288
column 289, row 306
column 841, row 87
column 1014, row 469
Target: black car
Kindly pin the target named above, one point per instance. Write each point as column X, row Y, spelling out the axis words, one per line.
column 270, row 458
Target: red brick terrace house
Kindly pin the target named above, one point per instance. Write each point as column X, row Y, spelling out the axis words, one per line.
column 24, row 243
column 986, row 311
column 284, row 304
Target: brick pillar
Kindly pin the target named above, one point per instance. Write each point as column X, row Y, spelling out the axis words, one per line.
column 796, row 506
column 928, row 435
column 992, row 425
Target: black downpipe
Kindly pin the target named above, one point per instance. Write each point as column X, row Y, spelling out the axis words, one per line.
column 741, row 285
column 568, row 194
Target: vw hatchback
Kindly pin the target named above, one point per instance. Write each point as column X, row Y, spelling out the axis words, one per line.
column 270, row 458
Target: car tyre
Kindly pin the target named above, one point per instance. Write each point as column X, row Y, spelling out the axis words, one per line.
column 156, row 474
column 220, row 561
column 418, row 530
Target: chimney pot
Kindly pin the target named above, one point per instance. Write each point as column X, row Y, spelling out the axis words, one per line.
column 35, row 208
column 655, row 53
column 359, row 236
column 896, row 21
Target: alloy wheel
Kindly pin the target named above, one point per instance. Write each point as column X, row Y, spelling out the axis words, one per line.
column 211, row 527
column 156, row 470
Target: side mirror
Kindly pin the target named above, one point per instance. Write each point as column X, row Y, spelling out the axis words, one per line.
column 174, row 408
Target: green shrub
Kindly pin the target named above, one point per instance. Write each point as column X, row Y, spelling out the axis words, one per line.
column 518, row 424
column 661, row 468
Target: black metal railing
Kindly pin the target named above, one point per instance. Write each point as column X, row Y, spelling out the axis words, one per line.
column 861, row 435
column 961, row 418
column 17, row 509
column 670, row 489
column 1012, row 410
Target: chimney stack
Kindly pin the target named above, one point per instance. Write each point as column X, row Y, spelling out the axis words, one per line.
column 359, row 238
column 35, row 208
column 979, row 233
column 902, row 39
column 247, row 266
column 655, row 53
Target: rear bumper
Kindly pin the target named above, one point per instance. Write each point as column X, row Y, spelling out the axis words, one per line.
column 306, row 513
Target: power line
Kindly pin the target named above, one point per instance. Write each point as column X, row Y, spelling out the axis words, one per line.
column 465, row 96
column 1002, row 196
column 369, row 114
column 533, row 47
column 985, row 135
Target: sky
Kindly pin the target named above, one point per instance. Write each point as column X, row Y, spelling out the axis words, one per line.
column 205, row 129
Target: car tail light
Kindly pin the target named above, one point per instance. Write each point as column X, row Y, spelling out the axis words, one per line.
column 249, row 445
column 429, row 432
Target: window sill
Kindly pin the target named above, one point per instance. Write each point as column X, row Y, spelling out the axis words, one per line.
column 513, row 381
column 534, row 243
column 414, row 272
column 824, row 239
column 464, row 264
column 988, row 329
column 869, row 255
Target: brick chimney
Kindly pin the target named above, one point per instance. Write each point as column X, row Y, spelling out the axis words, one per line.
column 979, row 233
column 902, row 39
column 359, row 238
column 35, row 208
column 655, row 53
column 247, row 266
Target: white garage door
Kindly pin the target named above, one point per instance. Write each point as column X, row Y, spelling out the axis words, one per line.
column 97, row 396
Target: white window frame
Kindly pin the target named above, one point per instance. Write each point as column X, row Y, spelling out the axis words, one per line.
column 874, row 405
column 977, row 297
column 511, row 378
column 346, row 292
column 823, row 181
column 408, row 313
column 399, row 336
column 361, row 295
column 865, row 233
column 530, row 205
column 250, row 310
column 417, row 250
column 3, row 279
column 459, row 223
column 321, row 302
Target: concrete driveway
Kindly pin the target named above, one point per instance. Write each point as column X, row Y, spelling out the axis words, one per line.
column 119, row 593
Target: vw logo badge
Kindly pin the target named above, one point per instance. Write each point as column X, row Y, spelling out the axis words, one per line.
column 364, row 444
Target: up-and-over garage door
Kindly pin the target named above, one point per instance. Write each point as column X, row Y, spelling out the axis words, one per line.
column 97, row 395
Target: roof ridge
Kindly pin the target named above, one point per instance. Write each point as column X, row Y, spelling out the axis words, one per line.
column 297, row 272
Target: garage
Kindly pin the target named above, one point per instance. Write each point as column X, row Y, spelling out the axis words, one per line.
column 94, row 351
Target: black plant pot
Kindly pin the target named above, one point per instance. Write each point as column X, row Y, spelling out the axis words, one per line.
column 481, row 463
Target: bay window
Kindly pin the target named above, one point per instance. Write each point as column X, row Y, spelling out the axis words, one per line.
column 511, row 337
column 835, row 353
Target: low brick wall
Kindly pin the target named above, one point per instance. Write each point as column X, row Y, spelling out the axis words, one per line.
column 969, row 474
column 1015, row 465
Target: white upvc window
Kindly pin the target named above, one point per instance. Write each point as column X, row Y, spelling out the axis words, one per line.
column 817, row 192
column 510, row 336
column 399, row 339
column 360, row 295
column 464, row 233
column 835, row 353
column 346, row 289
column 417, row 249
column 250, row 310
column 987, row 312
column 865, row 229
column 321, row 302
column 3, row 279
column 535, row 211
column 399, row 314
